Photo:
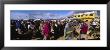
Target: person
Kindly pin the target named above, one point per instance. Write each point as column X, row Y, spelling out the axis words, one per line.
column 18, row 25
column 94, row 24
column 83, row 31
column 46, row 30
column 13, row 30
column 23, row 27
column 55, row 28
column 68, row 31
column 41, row 29
column 28, row 25
column 65, row 29
column 32, row 25
column 97, row 27
column 37, row 30
column 18, row 29
column 23, row 30
column 52, row 30
column 61, row 27
column 29, row 34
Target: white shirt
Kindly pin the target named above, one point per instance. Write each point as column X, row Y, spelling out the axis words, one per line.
column 94, row 23
column 28, row 26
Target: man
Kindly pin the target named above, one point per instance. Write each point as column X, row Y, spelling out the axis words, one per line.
column 94, row 24
column 13, row 30
column 56, row 30
column 68, row 31
column 84, row 29
column 18, row 29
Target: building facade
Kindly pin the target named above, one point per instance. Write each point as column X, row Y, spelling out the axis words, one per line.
column 85, row 16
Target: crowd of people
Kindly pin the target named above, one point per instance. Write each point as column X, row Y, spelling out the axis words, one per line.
column 82, row 30
column 41, row 29
column 52, row 30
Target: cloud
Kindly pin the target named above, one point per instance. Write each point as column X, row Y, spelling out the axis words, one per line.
column 68, row 14
column 19, row 16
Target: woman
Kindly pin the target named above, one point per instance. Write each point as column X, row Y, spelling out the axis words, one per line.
column 46, row 30
column 56, row 32
column 68, row 31
column 84, row 29
column 41, row 29
column 13, row 30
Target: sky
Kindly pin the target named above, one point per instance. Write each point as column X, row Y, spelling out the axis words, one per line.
column 45, row 14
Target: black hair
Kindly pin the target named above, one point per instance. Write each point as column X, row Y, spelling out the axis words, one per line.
column 86, row 20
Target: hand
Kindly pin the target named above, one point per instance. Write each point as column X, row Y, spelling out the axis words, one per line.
column 16, row 30
column 42, row 34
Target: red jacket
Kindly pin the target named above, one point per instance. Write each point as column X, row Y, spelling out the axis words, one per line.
column 46, row 29
column 84, row 28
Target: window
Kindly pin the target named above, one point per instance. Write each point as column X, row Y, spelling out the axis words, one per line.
column 81, row 15
column 91, row 14
column 78, row 15
column 69, row 17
